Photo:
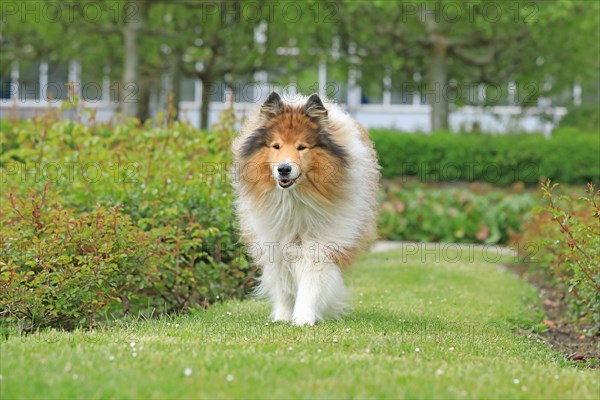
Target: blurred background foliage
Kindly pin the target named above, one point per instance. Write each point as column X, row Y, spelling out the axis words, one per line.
column 543, row 47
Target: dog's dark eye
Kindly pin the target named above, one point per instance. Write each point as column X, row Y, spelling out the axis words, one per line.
column 301, row 147
column 276, row 146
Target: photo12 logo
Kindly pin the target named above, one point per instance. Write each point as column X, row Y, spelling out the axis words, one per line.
column 69, row 171
column 469, row 171
column 254, row 172
column 116, row 12
column 470, row 11
column 37, row 11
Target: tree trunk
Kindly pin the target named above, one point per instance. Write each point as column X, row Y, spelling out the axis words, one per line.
column 143, row 111
column 438, row 81
column 175, row 77
column 206, row 86
column 134, row 14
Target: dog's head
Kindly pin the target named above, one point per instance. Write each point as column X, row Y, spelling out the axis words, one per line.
column 294, row 142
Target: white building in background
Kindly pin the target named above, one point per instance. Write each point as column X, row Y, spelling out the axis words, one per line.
column 409, row 112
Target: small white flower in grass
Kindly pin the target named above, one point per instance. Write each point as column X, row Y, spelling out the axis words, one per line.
column 168, row 324
column 319, row 350
column 290, row 348
column 417, row 350
column 229, row 378
column 134, row 354
column 187, row 372
column 266, row 324
column 347, row 330
column 439, row 372
column 111, row 358
column 176, row 325
column 516, row 381
column 451, row 349
column 132, row 344
column 367, row 350
column 335, row 340
column 228, row 313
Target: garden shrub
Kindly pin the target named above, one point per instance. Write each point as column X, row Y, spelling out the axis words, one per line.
column 499, row 159
column 565, row 232
column 61, row 269
column 452, row 215
column 167, row 184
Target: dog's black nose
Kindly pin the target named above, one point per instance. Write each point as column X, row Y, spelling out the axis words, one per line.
column 284, row 169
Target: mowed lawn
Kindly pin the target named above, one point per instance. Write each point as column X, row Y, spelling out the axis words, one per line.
column 424, row 325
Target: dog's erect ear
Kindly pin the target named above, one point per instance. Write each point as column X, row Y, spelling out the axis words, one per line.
column 272, row 106
column 315, row 110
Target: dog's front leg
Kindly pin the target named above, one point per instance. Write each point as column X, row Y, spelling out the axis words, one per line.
column 320, row 292
column 277, row 283
column 283, row 305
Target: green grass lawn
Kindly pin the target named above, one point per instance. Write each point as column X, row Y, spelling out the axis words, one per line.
column 419, row 327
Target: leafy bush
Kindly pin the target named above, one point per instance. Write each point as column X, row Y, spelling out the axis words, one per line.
column 496, row 159
column 452, row 215
column 163, row 183
column 567, row 231
column 58, row 269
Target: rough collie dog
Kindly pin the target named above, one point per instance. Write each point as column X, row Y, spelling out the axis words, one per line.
column 306, row 198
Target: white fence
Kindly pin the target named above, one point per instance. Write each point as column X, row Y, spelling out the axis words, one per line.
column 409, row 118
column 27, row 100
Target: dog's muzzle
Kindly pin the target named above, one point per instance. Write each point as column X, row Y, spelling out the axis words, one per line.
column 286, row 174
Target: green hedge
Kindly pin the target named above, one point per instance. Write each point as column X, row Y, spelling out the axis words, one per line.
column 115, row 218
column 452, row 215
column 501, row 159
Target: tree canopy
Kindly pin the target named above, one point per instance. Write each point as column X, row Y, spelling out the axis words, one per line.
column 446, row 48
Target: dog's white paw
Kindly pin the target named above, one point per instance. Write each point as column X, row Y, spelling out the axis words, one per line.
column 305, row 319
column 281, row 312
column 282, row 317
